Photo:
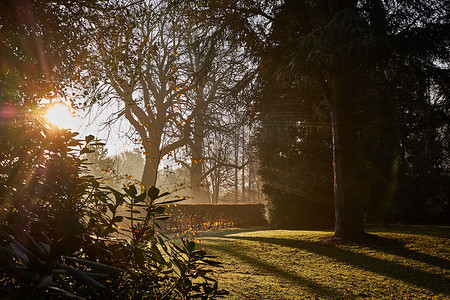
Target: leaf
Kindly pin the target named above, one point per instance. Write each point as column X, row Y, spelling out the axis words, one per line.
column 141, row 197
column 171, row 201
column 119, row 198
column 67, row 245
column 139, row 256
column 112, row 208
column 212, row 263
column 69, row 225
column 83, row 277
column 86, row 150
column 190, row 247
column 159, row 209
column 94, row 265
column 153, row 192
column 163, row 195
column 117, row 219
column 131, row 191
column 64, row 293
column 89, row 138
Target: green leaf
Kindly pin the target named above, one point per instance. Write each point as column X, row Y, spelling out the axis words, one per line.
column 153, row 192
column 67, row 245
column 139, row 256
column 141, row 197
column 131, row 191
column 64, row 293
column 69, row 225
column 190, row 247
column 112, row 208
column 212, row 263
column 159, row 210
column 119, row 198
column 163, row 195
column 94, row 265
column 117, row 219
column 171, row 201
column 82, row 277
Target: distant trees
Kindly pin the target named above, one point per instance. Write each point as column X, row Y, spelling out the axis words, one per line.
column 169, row 77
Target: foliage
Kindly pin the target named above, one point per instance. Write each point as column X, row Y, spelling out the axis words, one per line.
column 116, row 170
column 390, row 131
column 42, row 44
column 201, row 217
column 294, row 148
column 59, row 234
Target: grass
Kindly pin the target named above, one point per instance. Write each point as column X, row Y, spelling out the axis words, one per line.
column 394, row 263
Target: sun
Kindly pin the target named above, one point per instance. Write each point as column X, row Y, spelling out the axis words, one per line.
column 60, row 115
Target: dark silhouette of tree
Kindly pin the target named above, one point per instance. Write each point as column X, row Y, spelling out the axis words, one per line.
column 341, row 49
column 353, row 56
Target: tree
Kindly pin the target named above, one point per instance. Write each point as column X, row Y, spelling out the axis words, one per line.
column 217, row 70
column 166, row 75
column 41, row 46
column 337, row 46
column 294, row 150
column 58, row 226
column 340, row 49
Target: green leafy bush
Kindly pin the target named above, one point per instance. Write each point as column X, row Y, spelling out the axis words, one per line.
column 59, row 235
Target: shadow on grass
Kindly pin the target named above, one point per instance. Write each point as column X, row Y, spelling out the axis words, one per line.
column 424, row 230
column 396, row 247
column 314, row 287
column 407, row 274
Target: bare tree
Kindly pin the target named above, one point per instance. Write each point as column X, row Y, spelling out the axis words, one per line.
column 136, row 65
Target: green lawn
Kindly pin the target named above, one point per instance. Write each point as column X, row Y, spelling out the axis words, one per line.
column 395, row 263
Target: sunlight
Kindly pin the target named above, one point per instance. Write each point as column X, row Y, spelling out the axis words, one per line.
column 60, row 115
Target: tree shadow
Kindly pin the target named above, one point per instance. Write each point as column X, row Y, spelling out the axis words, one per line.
column 407, row 274
column 315, row 288
column 396, row 247
column 424, row 230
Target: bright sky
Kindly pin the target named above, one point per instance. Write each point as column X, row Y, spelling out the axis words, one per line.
column 63, row 116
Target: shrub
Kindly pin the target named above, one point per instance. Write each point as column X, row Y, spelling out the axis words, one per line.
column 58, row 229
column 197, row 217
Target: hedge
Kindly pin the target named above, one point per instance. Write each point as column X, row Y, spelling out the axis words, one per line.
column 202, row 216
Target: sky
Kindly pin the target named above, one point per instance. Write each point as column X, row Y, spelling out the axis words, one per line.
column 91, row 123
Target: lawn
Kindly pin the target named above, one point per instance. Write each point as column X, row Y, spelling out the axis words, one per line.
column 393, row 263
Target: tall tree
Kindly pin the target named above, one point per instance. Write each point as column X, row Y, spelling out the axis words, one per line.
column 168, row 77
column 340, row 49
column 339, row 46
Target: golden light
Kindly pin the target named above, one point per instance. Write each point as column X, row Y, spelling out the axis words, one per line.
column 60, row 115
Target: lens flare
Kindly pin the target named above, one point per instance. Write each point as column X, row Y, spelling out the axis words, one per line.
column 59, row 115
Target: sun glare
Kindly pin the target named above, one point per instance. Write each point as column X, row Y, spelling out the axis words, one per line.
column 60, row 115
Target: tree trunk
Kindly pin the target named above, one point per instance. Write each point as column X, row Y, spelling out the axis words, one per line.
column 195, row 172
column 199, row 194
column 349, row 208
column 236, row 162
column 216, row 187
column 150, row 170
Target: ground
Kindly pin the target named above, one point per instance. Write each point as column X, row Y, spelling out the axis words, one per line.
column 410, row 262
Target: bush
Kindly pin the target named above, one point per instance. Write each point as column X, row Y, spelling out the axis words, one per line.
column 198, row 217
column 58, row 228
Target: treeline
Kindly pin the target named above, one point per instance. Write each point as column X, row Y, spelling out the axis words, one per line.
column 399, row 113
